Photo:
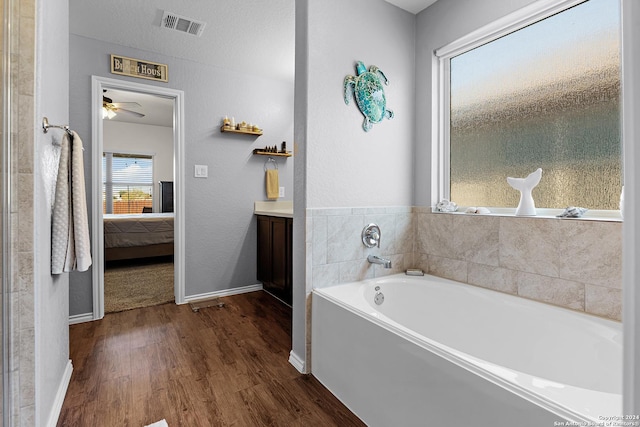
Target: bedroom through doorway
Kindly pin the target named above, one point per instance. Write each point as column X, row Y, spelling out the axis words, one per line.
column 138, row 139
column 137, row 164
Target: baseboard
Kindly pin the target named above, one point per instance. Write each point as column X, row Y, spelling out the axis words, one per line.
column 80, row 318
column 223, row 293
column 59, row 400
column 297, row 362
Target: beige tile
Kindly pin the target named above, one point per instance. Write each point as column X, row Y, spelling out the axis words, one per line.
column 27, row 367
column 448, row 268
column 551, row 290
column 420, row 261
column 435, row 235
column 529, row 244
column 476, row 238
column 308, row 268
column 490, row 277
column 591, row 252
column 605, row 302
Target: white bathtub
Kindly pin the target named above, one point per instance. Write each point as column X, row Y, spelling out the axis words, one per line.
column 437, row 352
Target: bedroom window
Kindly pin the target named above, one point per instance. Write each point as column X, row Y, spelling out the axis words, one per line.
column 127, row 183
column 540, row 88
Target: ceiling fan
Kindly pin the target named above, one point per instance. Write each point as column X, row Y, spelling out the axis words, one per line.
column 110, row 108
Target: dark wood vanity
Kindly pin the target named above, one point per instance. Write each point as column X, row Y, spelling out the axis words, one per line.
column 275, row 240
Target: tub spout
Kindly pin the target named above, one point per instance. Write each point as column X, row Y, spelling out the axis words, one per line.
column 375, row 259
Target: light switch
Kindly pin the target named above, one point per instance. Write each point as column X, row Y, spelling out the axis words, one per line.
column 281, row 192
column 201, row 171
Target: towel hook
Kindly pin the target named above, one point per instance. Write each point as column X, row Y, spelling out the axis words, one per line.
column 270, row 160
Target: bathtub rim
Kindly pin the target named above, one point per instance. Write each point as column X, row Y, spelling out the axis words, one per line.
column 479, row 367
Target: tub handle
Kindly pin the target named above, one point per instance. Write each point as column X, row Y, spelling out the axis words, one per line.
column 371, row 236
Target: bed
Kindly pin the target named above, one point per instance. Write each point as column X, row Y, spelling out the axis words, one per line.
column 134, row 236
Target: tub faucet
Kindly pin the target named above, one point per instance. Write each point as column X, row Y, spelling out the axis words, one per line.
column 375, row 259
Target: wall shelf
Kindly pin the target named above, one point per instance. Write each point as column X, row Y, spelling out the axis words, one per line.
column 259, row 152
column 240, row 131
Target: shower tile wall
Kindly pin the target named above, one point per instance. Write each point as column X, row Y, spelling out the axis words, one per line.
column 569, row 263
column 21, row 292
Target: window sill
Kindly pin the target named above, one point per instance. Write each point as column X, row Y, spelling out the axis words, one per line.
column 595, row 215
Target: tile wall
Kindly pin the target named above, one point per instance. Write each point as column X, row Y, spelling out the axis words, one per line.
column 21, row 292
column 575, row 264
column 336, row 254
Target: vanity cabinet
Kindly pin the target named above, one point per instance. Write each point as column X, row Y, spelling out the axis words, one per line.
column 275, row 255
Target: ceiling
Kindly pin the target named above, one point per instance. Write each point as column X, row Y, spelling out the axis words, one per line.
column 157, row 110
column 413, row 6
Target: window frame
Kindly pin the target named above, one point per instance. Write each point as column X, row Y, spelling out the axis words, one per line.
column 126, row 153
column 440, row 152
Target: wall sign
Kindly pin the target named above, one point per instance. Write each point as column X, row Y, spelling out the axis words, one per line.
column 138, row 68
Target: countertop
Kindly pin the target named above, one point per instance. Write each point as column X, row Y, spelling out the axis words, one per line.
column 283, row 209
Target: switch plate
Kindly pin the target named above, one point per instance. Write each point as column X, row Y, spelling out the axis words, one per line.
column 201, row 171
column 281, row 192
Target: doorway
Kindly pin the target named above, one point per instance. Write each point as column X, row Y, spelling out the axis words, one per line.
column 123, row 98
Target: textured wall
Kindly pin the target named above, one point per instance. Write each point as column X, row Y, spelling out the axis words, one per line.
column 51, row 292
column 346, row 166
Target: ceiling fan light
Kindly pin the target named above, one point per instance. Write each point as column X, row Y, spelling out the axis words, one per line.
column 104, row 112
column 111, row 114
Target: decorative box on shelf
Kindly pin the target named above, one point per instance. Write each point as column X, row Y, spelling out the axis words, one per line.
column 230, row 125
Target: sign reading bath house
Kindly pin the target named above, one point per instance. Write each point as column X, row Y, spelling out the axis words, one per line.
column 138, row 68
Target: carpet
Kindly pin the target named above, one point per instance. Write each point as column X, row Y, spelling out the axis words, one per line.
column 128, row 286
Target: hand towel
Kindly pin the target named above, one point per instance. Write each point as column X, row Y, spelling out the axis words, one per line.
column 273, row 189
column 61, row 220
column 79, row 204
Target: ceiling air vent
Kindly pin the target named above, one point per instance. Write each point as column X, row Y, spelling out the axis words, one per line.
column 182, row 24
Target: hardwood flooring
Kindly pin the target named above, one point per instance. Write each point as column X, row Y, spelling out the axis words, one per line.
column 216, row 367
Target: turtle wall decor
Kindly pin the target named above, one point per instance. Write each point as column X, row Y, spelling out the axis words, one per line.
column 369, row 93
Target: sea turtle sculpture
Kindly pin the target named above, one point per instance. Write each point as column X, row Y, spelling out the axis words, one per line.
column 369, row 94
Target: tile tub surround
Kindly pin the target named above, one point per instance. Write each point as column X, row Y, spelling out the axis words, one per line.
column 575, row 264
column 335, row 251
column 570, row 263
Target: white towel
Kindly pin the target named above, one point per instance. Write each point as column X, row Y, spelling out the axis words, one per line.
column 79, row 206
column 70, row 245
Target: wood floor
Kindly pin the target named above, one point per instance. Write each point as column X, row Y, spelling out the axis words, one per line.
column 220, row 366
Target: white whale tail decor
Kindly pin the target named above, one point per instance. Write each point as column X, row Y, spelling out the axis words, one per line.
column 527, row 206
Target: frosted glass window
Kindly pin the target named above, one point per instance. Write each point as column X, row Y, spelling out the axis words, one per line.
column 547, row 95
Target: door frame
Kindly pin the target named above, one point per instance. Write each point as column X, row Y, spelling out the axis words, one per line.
column 98, row 84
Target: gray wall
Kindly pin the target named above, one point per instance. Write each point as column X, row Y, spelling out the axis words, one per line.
column 220, row 237
column 51, row 292
column 343, row 166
